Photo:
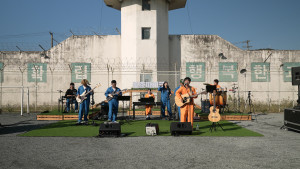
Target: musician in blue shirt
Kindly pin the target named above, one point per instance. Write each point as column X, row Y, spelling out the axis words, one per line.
column 165, row 99
column 85, row 105
column 113, row 92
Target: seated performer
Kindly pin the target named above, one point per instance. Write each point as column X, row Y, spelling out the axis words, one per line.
column 165, row 99
column 113, row 104
column 216, row 83
column 71, row 97
column 85, row 105
column 187, row 111
column 178, row 108
column 149, row 107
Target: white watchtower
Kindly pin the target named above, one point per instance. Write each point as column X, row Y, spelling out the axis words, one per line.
column 145, row 36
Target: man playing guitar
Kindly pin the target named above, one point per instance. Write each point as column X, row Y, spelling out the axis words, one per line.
column 113, row 92
column 187, row 110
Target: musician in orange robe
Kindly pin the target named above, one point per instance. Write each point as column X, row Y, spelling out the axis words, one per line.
column 216, row 83
column 187, row 111
column 149, row 107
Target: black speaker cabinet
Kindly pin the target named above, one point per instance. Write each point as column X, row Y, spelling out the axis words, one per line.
column 110, row 130
column 292, row 119
column 295, row 75
column 181, row 128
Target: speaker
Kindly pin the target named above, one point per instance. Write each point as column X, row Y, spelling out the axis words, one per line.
column 295, row 75
column 110, row 130
column 292, row 119
column 152, row 129
column 181, row 128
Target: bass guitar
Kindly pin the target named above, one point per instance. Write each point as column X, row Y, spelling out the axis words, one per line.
column 214, row 115
column 185, row 99
column 82, row 97
column 109, row 98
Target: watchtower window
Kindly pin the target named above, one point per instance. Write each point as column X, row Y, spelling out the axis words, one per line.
column 146, row 5
column 146, row 33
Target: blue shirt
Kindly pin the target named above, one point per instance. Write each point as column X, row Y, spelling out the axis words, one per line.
column 165, row 93
column 110, row 90
column 176, row 89
column 87, row 89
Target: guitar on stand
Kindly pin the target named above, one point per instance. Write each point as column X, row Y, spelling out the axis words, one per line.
column 214, row 115
column 82, row 97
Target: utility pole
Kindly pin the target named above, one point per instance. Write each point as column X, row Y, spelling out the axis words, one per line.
column 51, row 39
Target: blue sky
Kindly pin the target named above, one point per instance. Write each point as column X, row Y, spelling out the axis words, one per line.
column 267, row 23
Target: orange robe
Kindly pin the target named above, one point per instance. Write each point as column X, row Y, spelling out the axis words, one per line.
column 148, row 108
column 187, row 111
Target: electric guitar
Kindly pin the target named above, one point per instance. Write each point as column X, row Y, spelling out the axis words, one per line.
column 186, row 98
column 109, row 98
column 214, row 115
column 82, row 97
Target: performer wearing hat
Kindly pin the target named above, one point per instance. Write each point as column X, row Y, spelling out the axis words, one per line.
column 113, row 104
column 149, row 107
column 216, row 83
column 181, row 84
column 187, row 111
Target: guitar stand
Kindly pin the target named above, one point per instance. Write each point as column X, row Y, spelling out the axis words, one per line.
column 214, row 126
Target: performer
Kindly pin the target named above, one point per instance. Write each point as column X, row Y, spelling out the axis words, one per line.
column 165, row 99
column 85, row 105
column 187, row 111
column 216, row 83
column 71, row 97
column 114, row 102
column 149, row 107
column 178, row 108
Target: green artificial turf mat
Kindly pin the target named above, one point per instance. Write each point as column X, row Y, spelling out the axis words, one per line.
column 137, row 128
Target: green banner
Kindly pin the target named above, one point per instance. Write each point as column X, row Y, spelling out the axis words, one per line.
column 37, row 72
column 260, row 72
column 81, row 71
column 287, row 66
column 1, row 73
column 196, row 71
column 228, row 72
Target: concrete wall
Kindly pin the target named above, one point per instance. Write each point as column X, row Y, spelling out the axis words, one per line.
column 101, row 51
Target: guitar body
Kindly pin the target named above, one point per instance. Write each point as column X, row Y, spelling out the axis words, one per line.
column 214, row 115
column 185, row 100
column 82, row 97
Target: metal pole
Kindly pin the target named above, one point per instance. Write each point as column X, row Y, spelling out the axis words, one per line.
column 27, row 100
column 22, row 97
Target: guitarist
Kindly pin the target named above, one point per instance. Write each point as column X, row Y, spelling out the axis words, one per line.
column 187, row 111
column 85, row 105
column 113, row 104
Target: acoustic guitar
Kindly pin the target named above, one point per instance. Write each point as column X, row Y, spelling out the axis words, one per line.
column 82, row 97
column 186, row 98
column 214, row 115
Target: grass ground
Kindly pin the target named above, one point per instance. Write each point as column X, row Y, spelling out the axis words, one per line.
column 137, row 128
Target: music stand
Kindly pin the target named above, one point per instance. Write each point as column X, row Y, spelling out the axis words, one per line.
column 124, row 98
column 211, row 88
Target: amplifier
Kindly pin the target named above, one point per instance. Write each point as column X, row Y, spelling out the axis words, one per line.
column 181, row 128
column 110, row 130
column 152, row 129
column 292, row 119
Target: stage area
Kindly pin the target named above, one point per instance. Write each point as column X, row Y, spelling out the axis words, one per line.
column 136, row 128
